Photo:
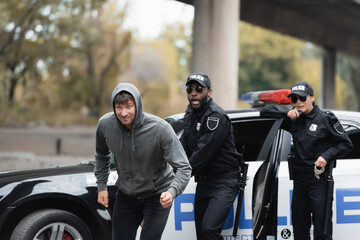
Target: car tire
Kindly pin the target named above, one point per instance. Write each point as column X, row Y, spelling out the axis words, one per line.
column 45, row 224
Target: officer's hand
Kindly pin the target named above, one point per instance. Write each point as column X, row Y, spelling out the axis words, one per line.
column 166, row 199
column 293, row 114
column 103, row 198
column 320, row 162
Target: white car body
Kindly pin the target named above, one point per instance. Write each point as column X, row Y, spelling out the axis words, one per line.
column 346, row 204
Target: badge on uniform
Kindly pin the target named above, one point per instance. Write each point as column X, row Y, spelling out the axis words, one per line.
column 212, row 123
column 313, row 127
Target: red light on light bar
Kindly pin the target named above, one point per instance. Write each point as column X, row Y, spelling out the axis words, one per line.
column 278, row 96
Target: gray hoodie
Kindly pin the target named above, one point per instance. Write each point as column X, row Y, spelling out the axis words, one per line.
column 149, row 159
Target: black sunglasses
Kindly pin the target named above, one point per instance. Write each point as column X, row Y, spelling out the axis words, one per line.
column 294, row 98
column 198, row 89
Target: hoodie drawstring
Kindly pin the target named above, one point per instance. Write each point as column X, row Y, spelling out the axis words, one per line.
column 133, row 140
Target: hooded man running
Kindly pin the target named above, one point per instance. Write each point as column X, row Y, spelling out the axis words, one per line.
column 151, row 164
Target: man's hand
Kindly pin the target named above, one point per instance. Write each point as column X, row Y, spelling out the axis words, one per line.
column 166, row 199
column 103, row 198
column 320, row 162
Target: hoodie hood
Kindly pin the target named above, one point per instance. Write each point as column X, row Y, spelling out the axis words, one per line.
column 130, row 88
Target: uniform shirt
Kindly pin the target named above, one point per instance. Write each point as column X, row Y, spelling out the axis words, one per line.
column 209, row 142
column 318, row 133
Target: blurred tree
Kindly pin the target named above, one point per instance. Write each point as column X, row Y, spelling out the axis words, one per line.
column 96, row 59
column 18, row 20
column 58, row 57
column 154, row 71
column 180, row 36
column 63, row 63
column 159, row 69
column 32, row 33
column 267, row 59
column 348, row 68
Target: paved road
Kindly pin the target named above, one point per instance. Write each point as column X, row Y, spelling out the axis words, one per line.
column 22, row 148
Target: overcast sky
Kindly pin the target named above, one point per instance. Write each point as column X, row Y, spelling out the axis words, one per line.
column 147, row 18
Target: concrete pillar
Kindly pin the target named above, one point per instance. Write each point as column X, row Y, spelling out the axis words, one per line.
column 216, row 46
column 201, row 45
column 327, row 88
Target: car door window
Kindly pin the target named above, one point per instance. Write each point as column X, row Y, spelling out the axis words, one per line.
column 354, row 135
column 176, row 124
column 250, row 135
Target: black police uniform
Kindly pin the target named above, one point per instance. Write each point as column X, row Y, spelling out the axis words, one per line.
column 318, row 133
column 209, row 143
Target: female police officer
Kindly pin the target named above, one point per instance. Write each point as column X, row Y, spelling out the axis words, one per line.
column 318, row 139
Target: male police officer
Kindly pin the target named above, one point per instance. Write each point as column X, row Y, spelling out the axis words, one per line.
column 318, row 138
column 209, row 143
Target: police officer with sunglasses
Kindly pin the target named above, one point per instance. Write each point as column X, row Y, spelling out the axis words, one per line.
column 209, row 144
column 318, row 139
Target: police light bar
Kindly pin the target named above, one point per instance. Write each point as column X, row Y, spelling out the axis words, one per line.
column 263, row 97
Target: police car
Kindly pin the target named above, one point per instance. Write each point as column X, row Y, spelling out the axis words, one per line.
column 266, row 206
column 61, row 202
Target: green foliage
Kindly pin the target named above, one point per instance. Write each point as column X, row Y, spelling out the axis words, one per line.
column 348, row 87
column 61, row 59
column 155, row 70
column 49, row 56
column 267, row 59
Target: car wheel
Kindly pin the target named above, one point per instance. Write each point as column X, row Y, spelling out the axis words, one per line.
column 51, row 224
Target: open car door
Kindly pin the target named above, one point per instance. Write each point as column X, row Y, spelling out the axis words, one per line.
column 265, row 186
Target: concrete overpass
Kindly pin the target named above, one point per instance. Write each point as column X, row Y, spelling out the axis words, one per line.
column 332, row 24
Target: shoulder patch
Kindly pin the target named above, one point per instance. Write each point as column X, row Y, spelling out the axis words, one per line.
column 335, row 122
column 339, row 128
column 212, row 123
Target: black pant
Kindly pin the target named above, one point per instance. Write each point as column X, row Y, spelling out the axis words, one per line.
column 129, row 213
column 309, row 199
column 213, row 200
